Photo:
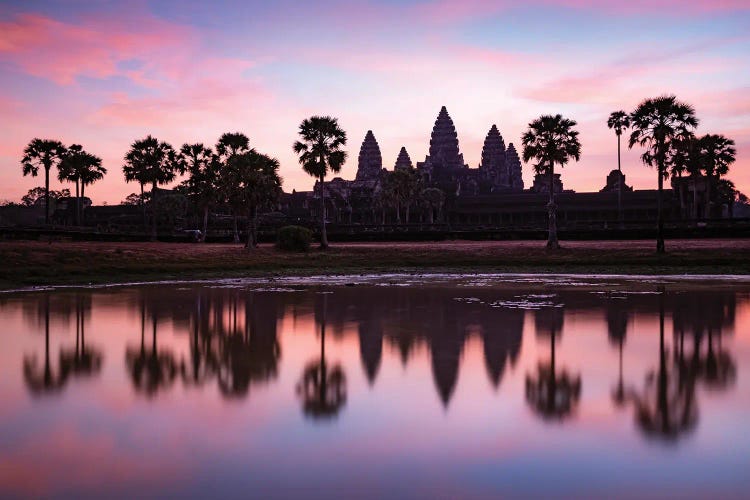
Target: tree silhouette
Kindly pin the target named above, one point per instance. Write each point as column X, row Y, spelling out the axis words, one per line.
column 655, row 125
column 150, row 161
column 717, row 153
column 552, row 395
column 617, row 326
column 322, row 389
column 201, row 186
column 248, row 354
column 82, row 168
column 42, row 380
column 151, row 371
column 320, row 151
column 550, row 140
column 228, row 145
column 433, row 199
column 619, row 121
column 83, row 361
column 204, row 359
column 43, row 153
column 401, row 187
column 667, row 408
column 254, row 183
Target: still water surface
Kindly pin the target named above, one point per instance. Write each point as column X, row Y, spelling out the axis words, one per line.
column 429, row 387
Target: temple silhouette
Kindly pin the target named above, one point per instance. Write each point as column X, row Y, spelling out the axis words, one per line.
column 491, row 195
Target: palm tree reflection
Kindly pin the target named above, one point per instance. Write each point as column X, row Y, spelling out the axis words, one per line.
column 43, row 379
column 617, row 326
column 322, row 389
column 150, row 371
column 248, row 354
column 81, row 361
column 667, row 409
column 552, row 395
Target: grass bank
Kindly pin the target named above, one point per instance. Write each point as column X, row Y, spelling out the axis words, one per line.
column 27, row 263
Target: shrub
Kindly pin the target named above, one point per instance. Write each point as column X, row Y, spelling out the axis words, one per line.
column 294, row 239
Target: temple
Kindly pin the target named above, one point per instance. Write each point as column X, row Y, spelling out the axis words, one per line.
column 451, row 192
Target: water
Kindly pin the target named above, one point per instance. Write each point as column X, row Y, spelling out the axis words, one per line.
column 399, row 386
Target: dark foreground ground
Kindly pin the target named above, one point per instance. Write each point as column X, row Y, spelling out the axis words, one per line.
column 24, row 263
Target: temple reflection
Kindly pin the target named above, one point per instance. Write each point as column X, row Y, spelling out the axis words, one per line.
column 227, row 340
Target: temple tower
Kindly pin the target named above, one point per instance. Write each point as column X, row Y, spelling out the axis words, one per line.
column 494, row 165
column 513, row 163
column 403, row 162
column 444, row 152
column 370, row 161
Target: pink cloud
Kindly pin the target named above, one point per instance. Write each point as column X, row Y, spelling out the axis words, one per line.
column 61, row 51
column 442, row 11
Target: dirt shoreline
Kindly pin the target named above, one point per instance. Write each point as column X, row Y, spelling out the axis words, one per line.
column 30, row 263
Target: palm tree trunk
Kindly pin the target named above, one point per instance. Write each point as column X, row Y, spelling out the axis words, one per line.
column 205, row 224
column 250, row 244
column 78, row 206
column 695, row 197
column 143, row 206
column 407, row 212
column 46, row 194
column 83, row 188
column 154, row 213
column 234, row 226
column 620, row 217
column 398, row 213
column 659, row 214
column 708, row 197
column 323, row 235
column 552, row 242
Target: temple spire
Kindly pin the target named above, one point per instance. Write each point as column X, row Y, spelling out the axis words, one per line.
column 494, row 166
column 370, row 160
column 513, row 163
column 403, row 162
column 444, row 152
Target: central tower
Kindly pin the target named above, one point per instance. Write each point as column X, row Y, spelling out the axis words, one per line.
column 444, row 153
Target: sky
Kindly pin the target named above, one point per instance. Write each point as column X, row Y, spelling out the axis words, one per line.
column 104, row 73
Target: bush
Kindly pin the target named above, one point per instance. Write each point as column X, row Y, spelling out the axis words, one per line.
column 294, row 239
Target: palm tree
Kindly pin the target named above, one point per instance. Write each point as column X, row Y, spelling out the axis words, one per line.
column 150, row 161
column 655, row 124
column 717, row 153
column 255, row 183
column 550, row 140
column 320, row 151
column 68, row 170
column 400, row 188
column 684, row 157
column 619, row 121
column 228, row 145
column 434, row 199
column 42, row 153
column 80, row 167
column 201, row 185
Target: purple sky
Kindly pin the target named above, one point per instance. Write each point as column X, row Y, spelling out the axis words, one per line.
column 104, row 73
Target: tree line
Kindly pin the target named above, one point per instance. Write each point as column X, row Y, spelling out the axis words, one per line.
column 663, row 126
column 236, row 176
